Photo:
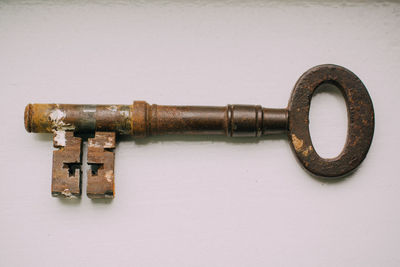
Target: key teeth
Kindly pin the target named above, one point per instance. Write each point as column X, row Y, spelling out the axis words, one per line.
column 101, row 184
column 69, row 155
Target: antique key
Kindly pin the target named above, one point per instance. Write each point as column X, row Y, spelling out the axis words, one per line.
column 104, row 122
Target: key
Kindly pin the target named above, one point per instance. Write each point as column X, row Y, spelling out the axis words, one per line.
column 140, row 119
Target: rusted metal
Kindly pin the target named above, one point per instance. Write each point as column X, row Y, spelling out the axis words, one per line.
column 360, row 113
column 100, row 178
column 141, row 120
column 231, row 120
column 66, row 175
column 47, row 118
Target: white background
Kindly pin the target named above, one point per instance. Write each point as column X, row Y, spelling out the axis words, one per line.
column 199, row 201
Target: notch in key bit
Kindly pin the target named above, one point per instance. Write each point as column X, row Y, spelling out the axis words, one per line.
column 100, row 177
column 66, row 174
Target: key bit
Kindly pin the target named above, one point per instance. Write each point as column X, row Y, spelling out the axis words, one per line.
column 66, row 175
column 141, row 120
column 100, row 178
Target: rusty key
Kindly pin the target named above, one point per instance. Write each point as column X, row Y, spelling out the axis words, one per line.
column 104, row 122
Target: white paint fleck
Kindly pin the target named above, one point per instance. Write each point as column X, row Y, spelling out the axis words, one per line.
column 57, row 115
column 109, row 196
column 124, row 113
column 89, row 110
column 112, row 108
column 93, row 143
column 109, row 143
column 109, row 175
column 66, row 193
column 59, row 139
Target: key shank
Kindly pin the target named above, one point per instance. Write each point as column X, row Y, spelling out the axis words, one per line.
column 142, row 119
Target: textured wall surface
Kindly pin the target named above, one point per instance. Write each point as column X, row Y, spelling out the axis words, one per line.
column 198, row 201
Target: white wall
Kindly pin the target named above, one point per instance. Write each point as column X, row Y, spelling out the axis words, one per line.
column 185, row 201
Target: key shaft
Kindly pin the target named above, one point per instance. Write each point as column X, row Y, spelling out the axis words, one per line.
column 141, row 119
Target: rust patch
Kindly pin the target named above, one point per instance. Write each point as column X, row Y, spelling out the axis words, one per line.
column 48, row 118
column 307, row 151
column 297, row 143
column 100, row 178
column 66, row 174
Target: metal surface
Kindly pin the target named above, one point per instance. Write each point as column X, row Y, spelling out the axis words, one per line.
column 231, row 120
column 66, row 174
column 360, row 113
column 47, row 118
column 141, row 119
column 100, row 177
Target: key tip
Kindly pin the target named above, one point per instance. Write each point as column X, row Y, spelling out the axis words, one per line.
column 28, row 118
